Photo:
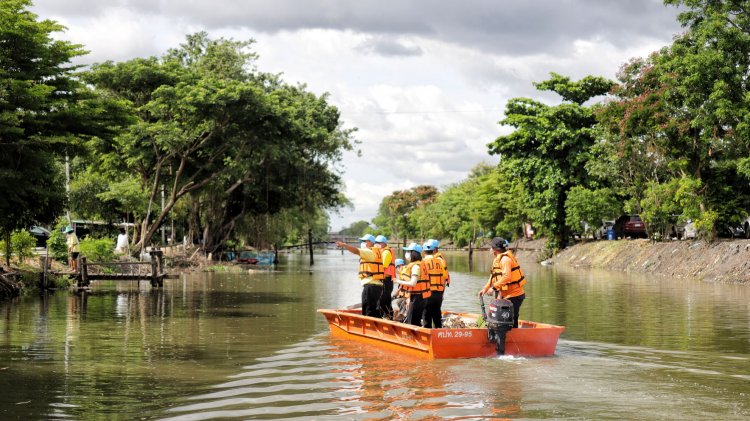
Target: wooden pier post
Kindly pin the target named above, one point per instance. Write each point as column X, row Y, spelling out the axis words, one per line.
column 84, row 271
column 310, row 244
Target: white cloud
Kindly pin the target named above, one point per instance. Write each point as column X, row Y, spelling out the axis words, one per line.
column 425, row 86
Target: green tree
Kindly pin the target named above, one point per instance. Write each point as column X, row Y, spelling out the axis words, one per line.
column 356, row 229
column 21, row 245
column 550, row 146
column 44, row 112
column 394, row 216
column 682, row 114
column 210, row 128
column 585, row 209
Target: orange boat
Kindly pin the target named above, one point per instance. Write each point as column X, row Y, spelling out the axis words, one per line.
column 531, row 339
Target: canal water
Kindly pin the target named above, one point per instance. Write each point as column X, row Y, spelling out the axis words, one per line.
column 251, row 346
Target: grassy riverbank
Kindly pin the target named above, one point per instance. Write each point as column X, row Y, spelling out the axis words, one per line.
column 720, row 261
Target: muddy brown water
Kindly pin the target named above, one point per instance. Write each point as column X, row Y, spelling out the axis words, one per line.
column 251, row 346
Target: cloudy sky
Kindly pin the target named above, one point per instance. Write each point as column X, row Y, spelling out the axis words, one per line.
column 425, row 82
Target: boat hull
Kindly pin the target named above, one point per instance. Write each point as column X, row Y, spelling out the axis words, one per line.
column 531, row 339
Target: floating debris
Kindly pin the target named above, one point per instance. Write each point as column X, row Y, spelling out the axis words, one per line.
column 457, row 322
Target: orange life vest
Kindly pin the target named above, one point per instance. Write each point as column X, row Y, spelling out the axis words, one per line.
column 435, row 273
column 514, row 288
column 372, row 269
column 440, row 256
column 389, row 270
column 423, row 284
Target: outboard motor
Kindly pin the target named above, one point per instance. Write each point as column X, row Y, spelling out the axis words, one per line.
column 499, row 322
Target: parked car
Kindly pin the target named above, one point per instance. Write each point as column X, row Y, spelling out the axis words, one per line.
column 630, row 226
column 601, row 232
column 731, row 231
column 690, row 231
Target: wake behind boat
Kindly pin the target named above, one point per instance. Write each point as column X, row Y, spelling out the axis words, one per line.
column 530, row 339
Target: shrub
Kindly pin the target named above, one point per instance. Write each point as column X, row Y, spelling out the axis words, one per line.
column 98, row 249
column 57, row 243
column 21, row 245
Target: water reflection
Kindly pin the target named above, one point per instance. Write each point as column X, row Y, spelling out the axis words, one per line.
column 341, row 379
column 250, row 345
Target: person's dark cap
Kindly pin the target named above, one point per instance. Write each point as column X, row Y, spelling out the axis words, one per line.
column 499, row 243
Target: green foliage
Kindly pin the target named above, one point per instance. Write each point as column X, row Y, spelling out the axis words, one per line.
column 665, row 204
column 97, row 249
column 396, row 211
column 706, row 224
column 208, row 127
column 488, row 202
column 550, row 146
column 44, row 113
column 681, row 121
column 590, row 206
column 22, row 245
column 356, row 229
column 57, row 243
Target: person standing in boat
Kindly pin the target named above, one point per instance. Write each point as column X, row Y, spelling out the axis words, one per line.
column 389, row 273
column 436, row 273
column 370, row 273
column 416, row 284
column 506, row 279
column 399, row 297
column 438, row 255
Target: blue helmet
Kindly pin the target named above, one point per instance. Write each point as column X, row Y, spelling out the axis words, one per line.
column 381, row 239
column 435, row 243
column 368, row 237
column 428, row 245
column 399, row 262
column 413, row 246
column 499, row 243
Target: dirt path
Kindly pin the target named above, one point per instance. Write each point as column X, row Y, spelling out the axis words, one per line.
column 721, row 261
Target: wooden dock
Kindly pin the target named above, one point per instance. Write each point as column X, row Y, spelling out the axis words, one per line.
column 152, row 271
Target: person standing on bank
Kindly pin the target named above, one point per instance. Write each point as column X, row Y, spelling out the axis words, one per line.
column 506, row 279
column 415, row 283
column 73, row 248
column 370, row 274
column 436, row 273
column 389, row 273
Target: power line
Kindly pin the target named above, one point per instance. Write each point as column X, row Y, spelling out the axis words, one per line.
column 428, row 112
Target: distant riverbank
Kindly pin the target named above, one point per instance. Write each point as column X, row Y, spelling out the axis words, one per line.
column 720, row 261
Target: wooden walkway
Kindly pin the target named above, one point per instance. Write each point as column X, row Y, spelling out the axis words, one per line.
column 152, row 271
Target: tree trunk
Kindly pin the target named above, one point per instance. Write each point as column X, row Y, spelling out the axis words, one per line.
column 6, row 234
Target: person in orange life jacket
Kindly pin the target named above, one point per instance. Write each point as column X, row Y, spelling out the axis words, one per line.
column 370, row 274
column 506, row 279
column 438, row 255
column 415, row 283
column 399, row 296
column 433, row 268
column 389, row 272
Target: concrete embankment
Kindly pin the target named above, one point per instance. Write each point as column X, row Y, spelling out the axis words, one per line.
column 720, row 261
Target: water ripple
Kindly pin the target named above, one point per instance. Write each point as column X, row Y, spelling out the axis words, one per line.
column 316, row 379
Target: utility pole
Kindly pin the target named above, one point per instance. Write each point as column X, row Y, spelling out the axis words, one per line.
column 163, row 238
column 67, row 187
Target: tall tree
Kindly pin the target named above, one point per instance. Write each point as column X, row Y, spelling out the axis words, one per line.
column 394, row 216
column 44, row 110
column 212, row 128
column 550, row 146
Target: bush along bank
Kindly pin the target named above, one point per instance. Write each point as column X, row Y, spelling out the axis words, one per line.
column 719, row 261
